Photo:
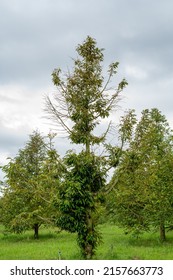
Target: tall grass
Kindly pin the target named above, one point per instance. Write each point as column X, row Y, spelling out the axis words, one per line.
column 54, row 245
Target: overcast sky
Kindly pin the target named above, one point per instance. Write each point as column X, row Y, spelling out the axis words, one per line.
column 37, row 36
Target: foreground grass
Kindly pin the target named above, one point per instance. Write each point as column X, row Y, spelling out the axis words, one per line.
column 118, row 246
column 50, row 246
column 53, row 246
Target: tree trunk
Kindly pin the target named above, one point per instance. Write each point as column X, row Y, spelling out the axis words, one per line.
column 36, row 227
column 162, row 232
column 89, row 246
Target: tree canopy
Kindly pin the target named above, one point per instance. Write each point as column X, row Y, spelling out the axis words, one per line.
column 142, row 185
column 32, row 179
column 84, row 97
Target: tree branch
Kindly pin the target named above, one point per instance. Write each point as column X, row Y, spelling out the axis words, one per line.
column 50, row 108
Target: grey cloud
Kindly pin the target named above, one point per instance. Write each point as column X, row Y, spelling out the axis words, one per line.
column 38, row 36
column 7, row 100
column 13, row 141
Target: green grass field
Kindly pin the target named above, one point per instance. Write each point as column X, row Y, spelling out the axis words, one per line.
column 54, row 245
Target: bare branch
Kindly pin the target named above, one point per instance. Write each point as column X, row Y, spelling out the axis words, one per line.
column 56, row 114
column 107, row 83
column 107, row 130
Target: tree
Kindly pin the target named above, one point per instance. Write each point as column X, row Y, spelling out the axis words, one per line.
column 142, row 184
column 81, row 102
column 30, row 187
column 80, row 195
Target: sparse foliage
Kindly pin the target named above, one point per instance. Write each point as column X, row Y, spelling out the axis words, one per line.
column 82, row 101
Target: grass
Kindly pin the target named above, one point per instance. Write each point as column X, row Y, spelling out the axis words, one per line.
column 50, row 246
column 119, row 246
column 115, row 246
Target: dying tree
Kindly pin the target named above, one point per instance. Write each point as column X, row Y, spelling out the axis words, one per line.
column 82, row 100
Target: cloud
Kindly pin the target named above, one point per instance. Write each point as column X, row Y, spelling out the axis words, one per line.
column 38, row 36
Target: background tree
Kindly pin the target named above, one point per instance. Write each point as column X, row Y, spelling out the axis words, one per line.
column 81, row 102
column 142, row 185
column 32, row 178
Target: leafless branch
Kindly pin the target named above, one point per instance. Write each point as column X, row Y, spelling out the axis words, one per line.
column 56, row 113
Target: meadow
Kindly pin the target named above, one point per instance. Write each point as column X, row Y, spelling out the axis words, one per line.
column 55, row 245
